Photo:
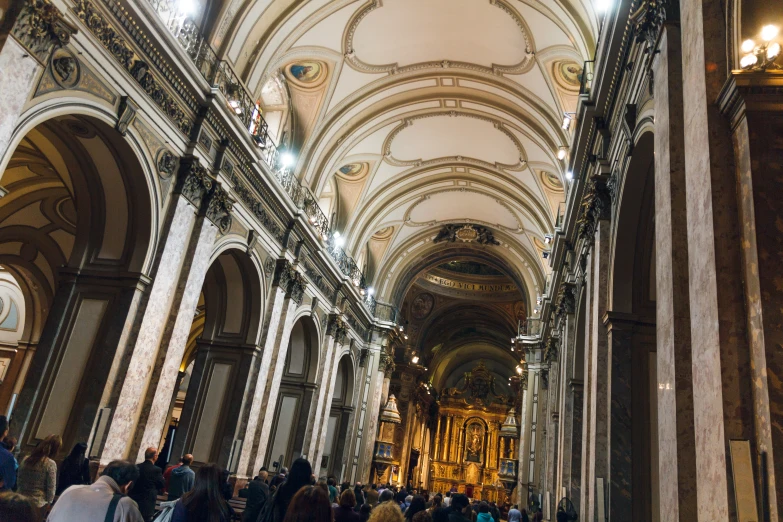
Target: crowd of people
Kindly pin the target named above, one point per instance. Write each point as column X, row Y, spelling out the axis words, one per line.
column 37, row 489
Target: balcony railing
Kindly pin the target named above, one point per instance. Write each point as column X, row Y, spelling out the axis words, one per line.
column 586, row 82
column 221, row 75
column 531, row 327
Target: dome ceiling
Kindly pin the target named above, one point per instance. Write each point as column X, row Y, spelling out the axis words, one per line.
column 418, row 114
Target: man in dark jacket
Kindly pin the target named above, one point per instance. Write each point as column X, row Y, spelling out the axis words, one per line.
column 149, row 484
column 257, row 495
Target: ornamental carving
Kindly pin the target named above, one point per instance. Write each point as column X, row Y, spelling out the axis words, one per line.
column 40, row 26
column 466, row 234
column 256, row 206
column 552, row 350
column 195, row 182
column 65, row 68
column 386, row 363
column 648, row 19
column 596, row 205
column 335, row 326
column 167, row 164
column 113, row 41
column 219, row 208
column 422, row 306
column 566, row 301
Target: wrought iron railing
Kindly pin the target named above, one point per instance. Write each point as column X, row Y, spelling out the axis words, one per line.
column 586, row 82
column 385, row 312
column 531, row 327
column 221, row 75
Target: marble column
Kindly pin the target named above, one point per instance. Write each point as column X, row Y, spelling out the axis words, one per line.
column 23, row 56
column 676, row 443
column 598, row 393
column 185, row 248
column 376, row 369
column 437, row 439
column 752, row 103
column 586, row 484
column 278, row 322
column 552, row 453
column 320, row 408
column 329, row 380
column 722, row 396
column 272, row 373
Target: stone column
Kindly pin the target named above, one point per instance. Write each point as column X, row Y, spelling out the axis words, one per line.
column 182, row 255
column 371, row 407
column 722, row 396
column 598, row 394
column 437, row 440
column 322, row 408
column 552, row 452
column 320, row 430
column 586, row 484
column 27, row 39
column 524, row 441
column 676, row 442
column 752, row 102
column 273, row 360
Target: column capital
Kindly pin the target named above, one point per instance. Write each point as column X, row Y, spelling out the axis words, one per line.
column 552, row 349
column 337, row 328
column 39, row 27
column 386, row 363
column 218, row 208
column 289, row 280
column 751, row 91
column 193, row 181
column 596, row 205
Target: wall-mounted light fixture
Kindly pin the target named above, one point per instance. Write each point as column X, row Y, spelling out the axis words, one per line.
column 568, row 118
column 562, row 152
column 761, row 56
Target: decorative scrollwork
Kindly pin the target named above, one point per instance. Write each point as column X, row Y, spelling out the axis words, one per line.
column 167, row 163
column 40, row 26
column 596, row 205
column 552, row 350
column 466, row 234
column 219, row 208
column 195, row 182
column 113, row 41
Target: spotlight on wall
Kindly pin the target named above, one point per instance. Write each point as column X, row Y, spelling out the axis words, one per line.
column 405, row 337
column 370, row 291
column 562, row 153
column 187, row 7
column 415, row 359
column 569, row 175
column 602, row 6
column 519, row 370
column 547, row 238
column 401, row 328
column 566, row 122
column 339, row 241
column 761, row 56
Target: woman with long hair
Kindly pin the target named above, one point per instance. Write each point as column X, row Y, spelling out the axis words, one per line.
column 18, row 508
column 38, row 472
column 75, row 468
column 299, row 477
column 205, row 502
column 386, row 512
column 417, row 504
column 310, row 504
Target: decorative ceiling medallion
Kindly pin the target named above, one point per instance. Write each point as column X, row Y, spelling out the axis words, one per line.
column 422, row 306
column 383, row 234
column 349, row 51
column 306, row 73
column 466, row 234
column 551, row 181
column 353, row 171
column 568, row 74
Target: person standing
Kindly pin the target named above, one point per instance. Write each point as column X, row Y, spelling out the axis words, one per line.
column 205, row 502
column 514, row 515
column 345, row 511
column 168, row 472
column 38, row 472
column 7, row 460
column 257, row 495
column 371, row 495
column 310, row 504
column 182, row 478
column 297, row 479
column 148, row 485
column 99, row 500
column 75, row 468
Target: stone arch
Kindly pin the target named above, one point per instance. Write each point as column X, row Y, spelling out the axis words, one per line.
column 221, row 350
column 77, row 231
column 340, row 418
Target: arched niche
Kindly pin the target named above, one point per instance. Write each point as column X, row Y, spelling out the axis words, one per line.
column 295, row 399
column 221, row 350
column 76, row 232
column 336, row 444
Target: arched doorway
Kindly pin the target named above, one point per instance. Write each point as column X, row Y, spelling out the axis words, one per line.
column 294, row 401
column 333, row 460
column 75, row 232
column 215, row 374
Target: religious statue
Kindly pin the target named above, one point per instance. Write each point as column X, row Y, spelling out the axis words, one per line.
column 475, row 434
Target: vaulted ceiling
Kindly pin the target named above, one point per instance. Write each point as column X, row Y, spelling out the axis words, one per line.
column 407, row 115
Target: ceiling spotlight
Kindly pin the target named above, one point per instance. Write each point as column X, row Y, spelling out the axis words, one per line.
column 512, row 348
column 602, row 5
column 547, row 238
column 561, row 154
column 569, row 175
column 339, row 241
column 287, row 160
column 519, row 370
column 370, row 291
column 566, row 121
column 405, row 337
column 415, row 359
column 401, row 328
column 513, row 340
column 187, row 7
